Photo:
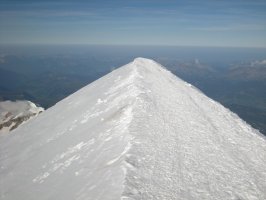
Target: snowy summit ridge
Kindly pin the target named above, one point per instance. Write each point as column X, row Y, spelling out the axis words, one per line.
column 137, row 133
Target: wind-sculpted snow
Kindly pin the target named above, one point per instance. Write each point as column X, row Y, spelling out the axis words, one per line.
column 137, row 133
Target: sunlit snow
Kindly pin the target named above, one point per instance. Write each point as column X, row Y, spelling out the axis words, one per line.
column 137, row 133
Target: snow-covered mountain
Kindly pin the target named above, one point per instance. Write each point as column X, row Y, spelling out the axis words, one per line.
column 14, row 113
column 137, row 133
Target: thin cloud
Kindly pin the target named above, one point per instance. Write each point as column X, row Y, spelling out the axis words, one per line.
column 46, row 13
column 250, row 27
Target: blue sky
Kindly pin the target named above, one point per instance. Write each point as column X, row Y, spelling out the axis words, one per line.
column 240, row 23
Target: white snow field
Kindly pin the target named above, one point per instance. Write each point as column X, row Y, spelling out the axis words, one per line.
column 137, row 133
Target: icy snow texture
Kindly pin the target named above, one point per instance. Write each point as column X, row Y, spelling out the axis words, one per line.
column 137, row 133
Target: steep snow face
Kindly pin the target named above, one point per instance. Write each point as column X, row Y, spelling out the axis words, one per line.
column 14, row 113
column 137, row 133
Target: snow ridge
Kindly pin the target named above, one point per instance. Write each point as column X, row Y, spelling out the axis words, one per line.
column 137, row 133
column 194, row 149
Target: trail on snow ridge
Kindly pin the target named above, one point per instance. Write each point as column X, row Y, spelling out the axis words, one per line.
column 179, row 157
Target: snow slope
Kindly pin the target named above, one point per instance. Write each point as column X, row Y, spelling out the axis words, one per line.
column 136, row 133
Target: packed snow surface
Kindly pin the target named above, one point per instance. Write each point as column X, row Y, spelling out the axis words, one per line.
column 137, row 133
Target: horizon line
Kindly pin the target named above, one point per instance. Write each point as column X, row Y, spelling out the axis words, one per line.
column 127, row 45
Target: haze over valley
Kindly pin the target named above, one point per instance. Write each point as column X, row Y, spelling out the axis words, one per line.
column 236, row 77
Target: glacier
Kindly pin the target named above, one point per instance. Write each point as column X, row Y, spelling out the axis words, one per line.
column 139, row 132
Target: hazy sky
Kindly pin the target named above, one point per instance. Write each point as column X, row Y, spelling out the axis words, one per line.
column 146, row 22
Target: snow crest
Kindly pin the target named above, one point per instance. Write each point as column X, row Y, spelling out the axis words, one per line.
column 137, row 133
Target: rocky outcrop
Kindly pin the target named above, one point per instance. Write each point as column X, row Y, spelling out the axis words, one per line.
column 13, row 114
